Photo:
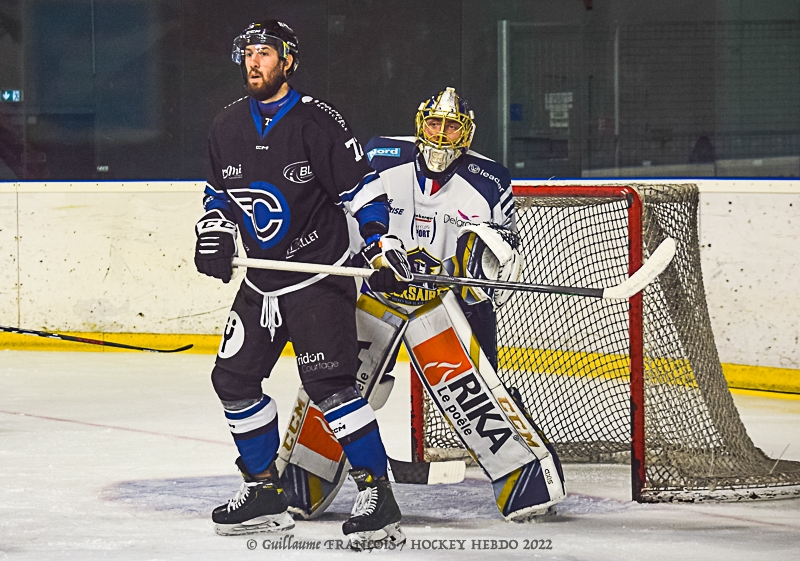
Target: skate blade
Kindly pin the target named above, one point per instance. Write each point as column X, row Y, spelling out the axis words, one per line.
column 261, row 525
column 388, row 537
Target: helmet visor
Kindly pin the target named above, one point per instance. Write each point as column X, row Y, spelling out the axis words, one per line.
column 257, row 37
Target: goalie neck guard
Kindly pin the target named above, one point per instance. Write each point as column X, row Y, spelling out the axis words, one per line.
column 444, row 129
column 268, row 32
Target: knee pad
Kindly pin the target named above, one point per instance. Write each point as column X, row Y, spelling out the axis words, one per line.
column 233, row 387
column 321, row 389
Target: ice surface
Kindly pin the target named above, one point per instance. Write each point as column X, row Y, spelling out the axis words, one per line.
column 123, row 455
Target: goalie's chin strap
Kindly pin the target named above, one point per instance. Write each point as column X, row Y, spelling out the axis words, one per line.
column 271, row 315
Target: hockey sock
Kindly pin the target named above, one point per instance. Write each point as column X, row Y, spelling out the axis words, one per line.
column 355, row 427
column 255, row 432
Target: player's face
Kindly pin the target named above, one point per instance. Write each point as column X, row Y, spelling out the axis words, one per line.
column 266, row 71
column 436, row 126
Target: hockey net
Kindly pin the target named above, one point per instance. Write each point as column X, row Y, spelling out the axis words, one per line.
column 635, row 381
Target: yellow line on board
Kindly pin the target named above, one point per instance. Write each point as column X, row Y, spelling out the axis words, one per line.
column 611, row 366
column 768, row 394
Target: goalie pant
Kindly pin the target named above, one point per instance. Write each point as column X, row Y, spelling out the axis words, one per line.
column 523, row 466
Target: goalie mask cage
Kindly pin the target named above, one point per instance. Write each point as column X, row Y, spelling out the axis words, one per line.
column 635, row 381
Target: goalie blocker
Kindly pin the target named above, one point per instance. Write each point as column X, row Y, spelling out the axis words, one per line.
column 523, row 466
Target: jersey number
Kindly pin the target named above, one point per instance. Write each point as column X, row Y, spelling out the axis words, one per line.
column 353, row 143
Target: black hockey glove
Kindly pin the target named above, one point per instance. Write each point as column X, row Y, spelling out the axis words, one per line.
column 216, row 246
column 388, row 256
column 383, row 280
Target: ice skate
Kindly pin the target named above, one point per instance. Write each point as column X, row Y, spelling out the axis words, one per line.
column 373, row 523
column 259, row 506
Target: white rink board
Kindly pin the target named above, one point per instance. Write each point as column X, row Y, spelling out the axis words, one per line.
column 8, row 258
column 118, row 257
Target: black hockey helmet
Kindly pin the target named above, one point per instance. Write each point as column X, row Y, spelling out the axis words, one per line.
column 268, row 32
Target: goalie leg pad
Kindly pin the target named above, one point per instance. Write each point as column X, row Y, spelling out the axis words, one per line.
column 465, row 388
column 311, row 460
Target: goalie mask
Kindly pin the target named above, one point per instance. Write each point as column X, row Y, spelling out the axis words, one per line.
column 445, row 128
column 269, row 32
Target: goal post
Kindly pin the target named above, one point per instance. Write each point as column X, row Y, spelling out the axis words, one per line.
column 636, row 381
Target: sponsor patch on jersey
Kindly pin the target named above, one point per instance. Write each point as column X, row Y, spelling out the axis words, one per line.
column 333, row 113
column 460, row 221
column 299, row 243
column 395, row 210
column 232, row 172
column 232, row 336
column 425, row 228
column 476, row 169
column 387, row 152
column 266, row 212
column 298, row 172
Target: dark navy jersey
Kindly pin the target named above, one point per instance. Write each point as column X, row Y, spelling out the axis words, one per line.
column 287, row 183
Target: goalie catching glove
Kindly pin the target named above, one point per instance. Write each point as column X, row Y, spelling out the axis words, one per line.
column 388, row 256
column 216, row 245
column 487, row 251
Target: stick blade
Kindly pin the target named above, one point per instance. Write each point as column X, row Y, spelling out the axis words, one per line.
column 646, row 274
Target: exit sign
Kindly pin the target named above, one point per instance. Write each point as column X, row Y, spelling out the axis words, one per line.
column 11, row 96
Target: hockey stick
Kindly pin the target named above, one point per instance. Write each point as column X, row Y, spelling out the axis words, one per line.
column 89, row 341
column 427, row 473
column 653, row 267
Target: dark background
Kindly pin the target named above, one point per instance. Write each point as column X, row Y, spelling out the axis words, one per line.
column 126, row 89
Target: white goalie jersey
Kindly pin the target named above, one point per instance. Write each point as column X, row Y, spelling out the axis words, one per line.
column 427, row 214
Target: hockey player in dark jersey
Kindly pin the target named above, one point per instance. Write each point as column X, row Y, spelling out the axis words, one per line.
column 284, row 168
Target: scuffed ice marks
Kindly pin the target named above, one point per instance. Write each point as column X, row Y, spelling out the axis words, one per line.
column 194, row 496
column 445, row 505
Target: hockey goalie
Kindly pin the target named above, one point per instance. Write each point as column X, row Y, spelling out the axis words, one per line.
column 453, row 212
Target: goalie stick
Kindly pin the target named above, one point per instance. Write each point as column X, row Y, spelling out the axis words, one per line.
column 72, row 338
column 427, row 473
column 634, row 284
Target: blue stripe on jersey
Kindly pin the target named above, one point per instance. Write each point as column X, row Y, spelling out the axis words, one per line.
column 293, row 96
column 215, row 199
column 373, row 212
column 348, row 196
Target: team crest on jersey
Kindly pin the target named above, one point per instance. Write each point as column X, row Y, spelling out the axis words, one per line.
column 266, row 212
column 417, row 294
column 298, row 172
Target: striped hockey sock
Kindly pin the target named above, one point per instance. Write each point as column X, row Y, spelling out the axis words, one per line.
column 355, row 427
column 255, row 431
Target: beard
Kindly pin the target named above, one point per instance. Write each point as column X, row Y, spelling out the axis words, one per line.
column 270, row 84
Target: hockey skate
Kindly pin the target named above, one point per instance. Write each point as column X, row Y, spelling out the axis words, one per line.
column 373, row 523
column 259, row 506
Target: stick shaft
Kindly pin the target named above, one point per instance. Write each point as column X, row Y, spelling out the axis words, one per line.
column 63, row 337
column 661, row 257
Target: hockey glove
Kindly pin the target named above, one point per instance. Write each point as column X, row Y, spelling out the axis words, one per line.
column 388, row 256
column 487, row 251
column 216, row 245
